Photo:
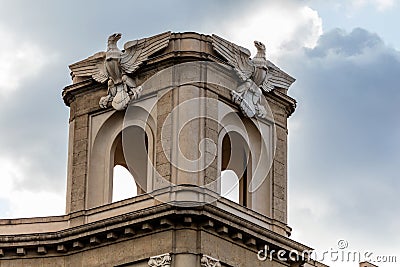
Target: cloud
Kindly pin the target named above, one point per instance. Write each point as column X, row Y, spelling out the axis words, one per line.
column 33, row 148
column 381, row 5
column 30, row 137
column 28, row 169
column 20, row 59
column 16, row 201
column 344, row 147
column 339, row 43
column 30, row 204
column 282, row 25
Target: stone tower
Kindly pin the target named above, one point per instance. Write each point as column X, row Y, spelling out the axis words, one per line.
column 188, row 115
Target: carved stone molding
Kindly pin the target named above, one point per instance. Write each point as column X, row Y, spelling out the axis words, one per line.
column 163, row 260
column 207, row 261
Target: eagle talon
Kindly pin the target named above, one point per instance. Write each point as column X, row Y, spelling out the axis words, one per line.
column 105, row 101
column 136, row 93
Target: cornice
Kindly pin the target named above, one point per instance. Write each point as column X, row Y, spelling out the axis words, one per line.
column 208, row 217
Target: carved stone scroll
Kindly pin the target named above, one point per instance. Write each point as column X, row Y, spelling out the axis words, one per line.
column 163, row 260
column 207, row 261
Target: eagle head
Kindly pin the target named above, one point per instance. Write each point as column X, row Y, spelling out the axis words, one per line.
column 259, row 45
column 113, row 38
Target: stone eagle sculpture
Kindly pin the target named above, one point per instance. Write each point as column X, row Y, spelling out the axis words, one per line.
column 253, row 73
column 115, row 66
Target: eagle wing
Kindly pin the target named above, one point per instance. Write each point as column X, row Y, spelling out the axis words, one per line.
column 238, row 57
column 276, row 78
column 267, row 84
column 92, row 66
column 138, row 51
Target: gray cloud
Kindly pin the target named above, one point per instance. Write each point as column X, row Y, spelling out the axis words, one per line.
column 81, row 27
column 34, row 133
column 339, row 42
column 344, row 144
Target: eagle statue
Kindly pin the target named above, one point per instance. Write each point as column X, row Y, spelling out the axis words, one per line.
column 254, row 75
column 115, row 67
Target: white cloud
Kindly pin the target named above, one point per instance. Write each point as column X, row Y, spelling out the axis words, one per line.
column 280, row 25
column 381, row 5
column 32, row 204
column 22, row 202
column 19, row 59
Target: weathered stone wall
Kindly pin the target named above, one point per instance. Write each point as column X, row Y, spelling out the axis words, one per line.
column 84, row 102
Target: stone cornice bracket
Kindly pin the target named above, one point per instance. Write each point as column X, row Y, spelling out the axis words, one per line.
column 163, row 260
column 207, row 261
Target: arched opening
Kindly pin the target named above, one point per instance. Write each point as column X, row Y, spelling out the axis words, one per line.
column 119, row 139
column 129, row 164
column 124, row 185
column 235, row 164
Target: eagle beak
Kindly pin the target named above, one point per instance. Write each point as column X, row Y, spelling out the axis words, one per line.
column 117, row 35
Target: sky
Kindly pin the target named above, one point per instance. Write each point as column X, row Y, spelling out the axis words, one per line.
column 344, row 138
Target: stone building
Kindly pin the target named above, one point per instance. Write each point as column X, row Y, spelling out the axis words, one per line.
column 177, row 110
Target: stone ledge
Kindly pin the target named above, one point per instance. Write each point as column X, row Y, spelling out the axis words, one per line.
column 208, row 218
column 175, row 196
